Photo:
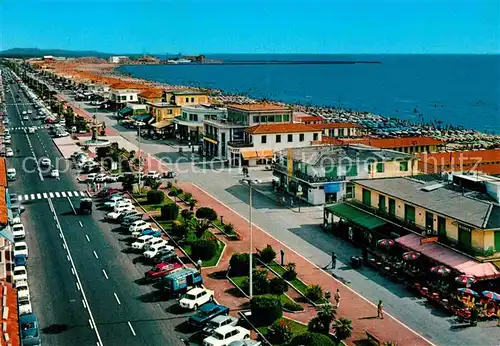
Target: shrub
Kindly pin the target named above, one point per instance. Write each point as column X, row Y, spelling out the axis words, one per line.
column 260, row 283
column 267, row 255
column 265, row 309
column 314, row 292
column 201, row 228
column 280, row 332
column 204, row 249
column 278, row 286
column 229, row 228
column 169, row 185
column 343, row 326
column 311, row 339
column 174, row 193
column 179, row 230
column 155, row 196
column 206, row 213
column 187, row 214
column 240, row 264
column 169, row 211
column 292, row 306
column 187, row 197
column 290, row 273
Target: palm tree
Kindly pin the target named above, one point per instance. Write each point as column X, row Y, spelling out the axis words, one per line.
column 343, row 328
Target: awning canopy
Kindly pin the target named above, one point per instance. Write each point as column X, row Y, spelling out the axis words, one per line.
column 265, row 154
column 125, row 111
column 355, row 215
column 250, row 154
column 142, row 117
column 162, row 124
column 453, row 259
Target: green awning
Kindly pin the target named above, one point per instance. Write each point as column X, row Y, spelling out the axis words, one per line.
column 142, row 117
column 125, row 111
column 355, row 215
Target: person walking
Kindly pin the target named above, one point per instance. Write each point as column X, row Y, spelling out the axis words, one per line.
column 337, row 298
column 380, row 309
column 199, row 264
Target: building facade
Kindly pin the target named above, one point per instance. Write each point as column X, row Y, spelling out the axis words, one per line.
column 190, row 125
column 485, row 161
column 410, row 145
column 324, row 174
column 120, row 97
column 339, row 130
column 185, row 97
column 150, row 96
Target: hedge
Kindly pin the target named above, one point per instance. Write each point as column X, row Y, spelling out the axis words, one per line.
column 170, row 212
column 204, row 249
column 266, row 309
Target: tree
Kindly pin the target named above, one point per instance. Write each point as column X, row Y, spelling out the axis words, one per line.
column 280, row 332
column 343, row 327
column 240, row 264
column 169, row 211
column 259, row 281
column 206, row 213
column 314, row 292
column 290, row 273
column 278, row 286
column 204, row 249
column 267, row 255
column 127, row 181
column 311, row 339
column 186, row 214
column 155, row 196
column 266, row 309
column 179, row 230
column 201, row 228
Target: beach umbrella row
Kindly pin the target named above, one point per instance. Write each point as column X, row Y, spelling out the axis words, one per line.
column 441, row 270
column 465, row 280
column 386, row 243
column 491, row 295
column 468, row 291
column 411, row 255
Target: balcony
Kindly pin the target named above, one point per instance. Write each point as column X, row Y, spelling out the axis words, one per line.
column 240, row 144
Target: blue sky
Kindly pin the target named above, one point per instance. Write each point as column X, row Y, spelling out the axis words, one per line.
column 253, row 26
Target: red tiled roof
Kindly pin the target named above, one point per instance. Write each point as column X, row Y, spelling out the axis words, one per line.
column 385, row 143
column 12, row 320
column 151, row 93
column 3, row 172
column 4, row 217
column 335, row 126
column 491, row 155
column 280, row 128
column 258, row 107
column 310, row 118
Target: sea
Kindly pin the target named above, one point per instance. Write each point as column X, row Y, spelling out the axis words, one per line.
column 461, row 90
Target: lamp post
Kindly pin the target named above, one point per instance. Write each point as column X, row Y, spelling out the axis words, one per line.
column 249, row 182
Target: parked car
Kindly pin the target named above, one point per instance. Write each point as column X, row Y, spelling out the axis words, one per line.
column 195, row 298
column 127, row 221
column 114, row 197
column 107, row 192
column 11, row 174
column 20, row 274
column 117, row 202
column 28, row 326
column 165, row 256
column 21, row 248
column 128, row 213
column 9, row 152
column 54, row 173
column 151, row 231
column 45, row 162
column 18, row 231
column 154, row 242
column 119, row 215
column 113, row 178
column 19, row 260
column 23, row 291
column 152, row 251
column 224, row 335
column 13, row 198
column 161, row 270
column 101, row 178
column 121, row 207
column 212, row 316
column 141, row 242
column 152, row 175
column 24, row 307
column 139, row 225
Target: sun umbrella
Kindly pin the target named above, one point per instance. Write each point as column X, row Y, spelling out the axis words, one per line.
column 387, row 243
column 465, row 280
column 468, row 291
column 411, row 255
column 440, row 270
column 491, row 295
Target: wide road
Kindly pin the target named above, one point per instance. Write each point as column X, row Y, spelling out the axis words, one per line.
column 81, row 280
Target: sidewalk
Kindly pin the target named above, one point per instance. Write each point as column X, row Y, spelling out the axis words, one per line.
column 353, row 306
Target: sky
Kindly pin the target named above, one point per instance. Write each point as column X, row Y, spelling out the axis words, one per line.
column 253, row 26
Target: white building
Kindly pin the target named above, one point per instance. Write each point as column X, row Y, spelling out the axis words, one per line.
column 123, row 96
column 189, row 124
column 117, row 59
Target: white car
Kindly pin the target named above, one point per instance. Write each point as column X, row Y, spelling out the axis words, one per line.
column 31, row 129
column 153, row 175
column 115, row 215
column 120, row 202
column 21, row 248
column 223, row 336
column 113, row 178
column 141, row 242
column 89, row 178
column 154, row 250
column 24, row 307
column 157, row 241
column 26, row 117
column 115, row 197
column 20, row 274
column 139, row 225
column 100, row 178
column 195, row 298
column 18, row 231
column 24, row 113
column 7, row 141
column 120, row 208
column 30, row 111
column 45, row 161
column 23, row 291
column 62, row 134
column 54, row 173
column 9, row 152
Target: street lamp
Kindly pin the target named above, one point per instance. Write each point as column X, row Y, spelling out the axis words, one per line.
column 249, row 182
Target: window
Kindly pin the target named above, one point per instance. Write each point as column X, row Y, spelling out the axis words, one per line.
column 403, row 166
column 286, row 117
column 263, row 119
column 278, row 138
column 464, row 237
column 367, row 197
column 290, row 138
column 256, row 119
column 169, row 111
column 341, row 132
column 392, row 207
column 263, row 139
column 429, row 222
column 278, row 118
column 131, row 97
column 409, row 213
column 270, row 118
column 124, row 98
column 192, row 99
column 380, row 167
column 301, row 137
column 315, row 136
column 381, row 203
column 349, row 190
column 331, row 172
column 351, row 171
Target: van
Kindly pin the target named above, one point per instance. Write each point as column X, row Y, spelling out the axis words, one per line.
column 11, row 174
column 180, row 281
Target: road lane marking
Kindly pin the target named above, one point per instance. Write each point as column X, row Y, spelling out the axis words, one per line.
column 64, row 246
column 32, row 196
column 86, row 236
column 72, row 271
column 91, row 321
column 67, row 256
column 26, row 197
column 78, row 286
column 131, row 329
column 81, row 224
column 82, row 193
column 63, row 194
column 117, row 300
column 95, row 254
column 71, row 204
column 20, row 198
column 76, row 193
column 70, row 194
column 45, row 195
column 38, row 196
column 84, row 305
column 105, row 274
column 58, row 194
column 91, row 325
column 51, row 195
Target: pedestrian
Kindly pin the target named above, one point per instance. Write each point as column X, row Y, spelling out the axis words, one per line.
column 337, row 298
column 198, row 264
column 380, row 309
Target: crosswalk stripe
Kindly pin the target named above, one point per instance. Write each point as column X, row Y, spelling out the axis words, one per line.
column 63, row 194
column 32, row 196
column 58, row 194
column 26, row 197
column 75, row 193
column 82, row 194
column 20, row 197
column 70, row 194
column 45, row 195
column 38, row 196
column 51, row 195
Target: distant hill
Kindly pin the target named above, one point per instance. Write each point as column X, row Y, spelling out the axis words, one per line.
column 35, row 52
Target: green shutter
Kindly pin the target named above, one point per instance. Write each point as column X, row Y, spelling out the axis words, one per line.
column 381, row 203
column 367, row 197
column 392, row 206
column 403, row 166
column 409, row 213
column 331, row 172
column 352, row 171
column 380, row 167
column 497, row 241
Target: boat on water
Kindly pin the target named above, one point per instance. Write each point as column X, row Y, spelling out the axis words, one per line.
column 178, row 61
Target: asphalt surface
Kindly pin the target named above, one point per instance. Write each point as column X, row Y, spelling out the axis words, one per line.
column 85, row 285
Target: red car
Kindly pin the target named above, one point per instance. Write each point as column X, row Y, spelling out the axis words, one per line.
column 161, row 269
column 108, row 192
